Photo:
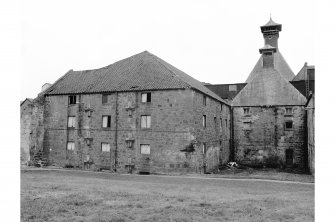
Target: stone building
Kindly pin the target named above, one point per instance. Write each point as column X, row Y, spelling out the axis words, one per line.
column 269, row 116
column 140, row 114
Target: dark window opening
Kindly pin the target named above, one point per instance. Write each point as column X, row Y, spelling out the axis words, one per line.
column 204, row 100
column 72, row 99
column 289, row 125
column 104, row 99
column 246, row 111
column 214, row 122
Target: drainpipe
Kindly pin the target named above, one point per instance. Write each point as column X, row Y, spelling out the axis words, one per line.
column 116, row 118
column 232, row 145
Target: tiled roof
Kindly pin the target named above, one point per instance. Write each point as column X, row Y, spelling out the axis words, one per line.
column 143, row 71
column 268, row 88
column 280, row 65
column 306, row 72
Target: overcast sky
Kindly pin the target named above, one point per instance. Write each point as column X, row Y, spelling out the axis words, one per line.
column 213, row 41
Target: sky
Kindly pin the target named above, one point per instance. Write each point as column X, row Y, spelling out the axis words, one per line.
column 213, row 41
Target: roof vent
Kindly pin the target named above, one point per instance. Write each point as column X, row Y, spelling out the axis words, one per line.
column 45, row 86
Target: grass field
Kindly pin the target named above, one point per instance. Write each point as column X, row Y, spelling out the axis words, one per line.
column 89, row 196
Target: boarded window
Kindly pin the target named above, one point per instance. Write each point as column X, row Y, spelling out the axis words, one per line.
column 106, row 121
column 232, row 88
column 104, row 99
column 145, row 121
column 204, row 148
column 146, row 97
column 204, row 121
column 246, row 111
column 70, row 146
column 72, row 99
column 105, row 147
column 288, row 125
column 145, row 149
column 288, row 110
column 71, row 122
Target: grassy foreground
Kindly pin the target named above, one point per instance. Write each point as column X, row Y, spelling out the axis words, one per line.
column 89, row 196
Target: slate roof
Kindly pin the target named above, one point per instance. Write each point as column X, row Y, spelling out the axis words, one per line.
column 270, row 23
column 306, row 72
column 268, row 88
column 27, row 99
column 279, row 64
column 143, row 71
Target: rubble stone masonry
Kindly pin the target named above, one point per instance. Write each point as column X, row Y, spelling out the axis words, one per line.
column 261, row 138
column 176, row 123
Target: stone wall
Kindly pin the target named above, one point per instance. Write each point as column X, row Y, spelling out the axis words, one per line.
column 176, row 122
column 25, row 121
column 32, row 129
column 311, row 129
column 260, row 137
column 215, row 137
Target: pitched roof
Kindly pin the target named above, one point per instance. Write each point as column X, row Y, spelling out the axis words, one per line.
column 268, row 88
column 267, row 47
column 270, row 23
column 305, row 73
column 143, row 71
column 279, row 63
column 27, row 99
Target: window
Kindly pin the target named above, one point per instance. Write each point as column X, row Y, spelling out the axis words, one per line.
column 130, row 143
column 214, row 122
column 246, row 111
column 106, row 121
column 104, row 99
column 72, row 99
column 232, row 88
column 105, row 147
column 220, row 123
column 288, row 111
column 268, row 53
column 71, row 121
column 204, row 100
column 70, row 146
column 145, row 149
column 204, row 121
column 204, row 148
column 145, row 121
column 146, row 97
column 226, row 123
column 288, row 125
column 221, row 107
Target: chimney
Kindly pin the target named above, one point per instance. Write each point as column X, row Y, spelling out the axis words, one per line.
column 267, row 55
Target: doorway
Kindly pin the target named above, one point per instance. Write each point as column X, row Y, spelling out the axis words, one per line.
column 289, row 157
